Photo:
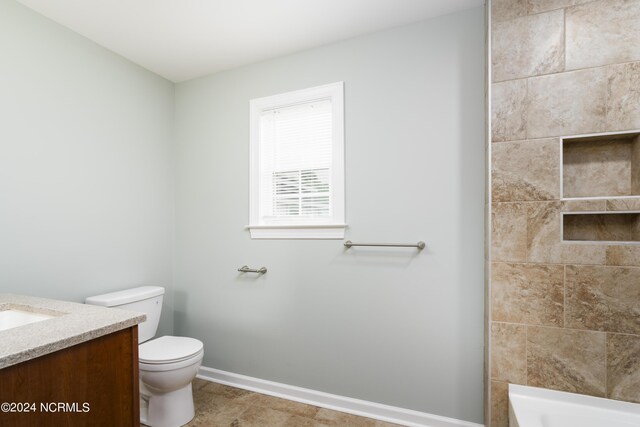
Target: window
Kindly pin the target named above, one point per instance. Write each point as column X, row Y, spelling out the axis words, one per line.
column 297, row 164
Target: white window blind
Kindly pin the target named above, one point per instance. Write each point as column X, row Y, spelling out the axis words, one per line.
column 297, row 164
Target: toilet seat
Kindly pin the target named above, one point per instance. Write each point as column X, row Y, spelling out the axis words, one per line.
column 172, row 366
column 168, row 350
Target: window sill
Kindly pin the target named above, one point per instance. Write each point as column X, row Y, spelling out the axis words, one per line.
column 324, row 231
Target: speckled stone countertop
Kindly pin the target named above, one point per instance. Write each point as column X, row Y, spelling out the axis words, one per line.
column 74, row 323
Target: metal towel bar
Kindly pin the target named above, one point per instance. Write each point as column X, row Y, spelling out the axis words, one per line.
column 420, row 245
column 246, row 269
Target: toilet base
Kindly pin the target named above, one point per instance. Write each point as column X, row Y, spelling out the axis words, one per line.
column 172, row 409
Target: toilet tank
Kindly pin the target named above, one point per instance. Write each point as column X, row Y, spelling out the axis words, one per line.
column 143, row 299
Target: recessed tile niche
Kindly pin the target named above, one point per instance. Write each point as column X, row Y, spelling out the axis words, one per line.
column 601, row 166
column 603, row 227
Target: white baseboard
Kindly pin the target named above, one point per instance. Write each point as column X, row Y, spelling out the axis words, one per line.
column 378, row 411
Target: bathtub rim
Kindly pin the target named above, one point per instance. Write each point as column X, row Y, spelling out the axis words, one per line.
column 519, row 393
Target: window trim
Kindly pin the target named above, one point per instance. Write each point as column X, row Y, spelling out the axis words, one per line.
column 335, row 226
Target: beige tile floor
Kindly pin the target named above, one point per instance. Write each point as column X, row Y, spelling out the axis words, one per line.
column 218, row 405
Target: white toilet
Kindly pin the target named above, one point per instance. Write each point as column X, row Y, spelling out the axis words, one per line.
column 168, row 364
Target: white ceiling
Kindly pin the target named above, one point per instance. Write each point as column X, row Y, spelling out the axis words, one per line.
column 184, row 39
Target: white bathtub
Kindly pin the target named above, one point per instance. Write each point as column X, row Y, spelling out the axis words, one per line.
column 539, row 407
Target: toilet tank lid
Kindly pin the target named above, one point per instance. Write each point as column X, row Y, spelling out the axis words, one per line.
column 114, row 299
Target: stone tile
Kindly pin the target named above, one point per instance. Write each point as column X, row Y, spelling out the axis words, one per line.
column 597, row 168
column 623, row 255
column 602, row 32
column 228, row 407
column 499, row 404
column 211, row 420
column 208, row 402
column 284, row 405
column 635, row 161
column 579, row 253
column 623, row 367
column 379, row 423
column 257, row 416
column 566, row 359
column 526, row 170
column 225, row 406
column 540, row 47
column 583, row 205
column 566, row 104
column 509, row 232
column 215, row 410
column 501, row 10
column 543, row 232
column 509, row 353
column 297, row 421
column 248, row 399
column 623, row 96
column 509, row 111
column 527, row 293
column 623, row 204
column 544, row 244
column 335, row 418
column 603, row 298
column 198, row 383
column 224, row 390
column 537, row 6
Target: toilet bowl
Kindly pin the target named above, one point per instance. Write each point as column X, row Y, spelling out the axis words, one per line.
column 167, row 364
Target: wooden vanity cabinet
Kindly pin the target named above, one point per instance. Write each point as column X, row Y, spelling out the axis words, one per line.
column 95, row 381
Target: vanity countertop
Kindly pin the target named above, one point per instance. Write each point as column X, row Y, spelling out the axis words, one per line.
column 73, row 324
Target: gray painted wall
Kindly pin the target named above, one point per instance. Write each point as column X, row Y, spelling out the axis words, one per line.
column 386, row 325
column 86, row 193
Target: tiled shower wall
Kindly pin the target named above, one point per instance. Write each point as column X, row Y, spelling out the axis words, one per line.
column 563, row 316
